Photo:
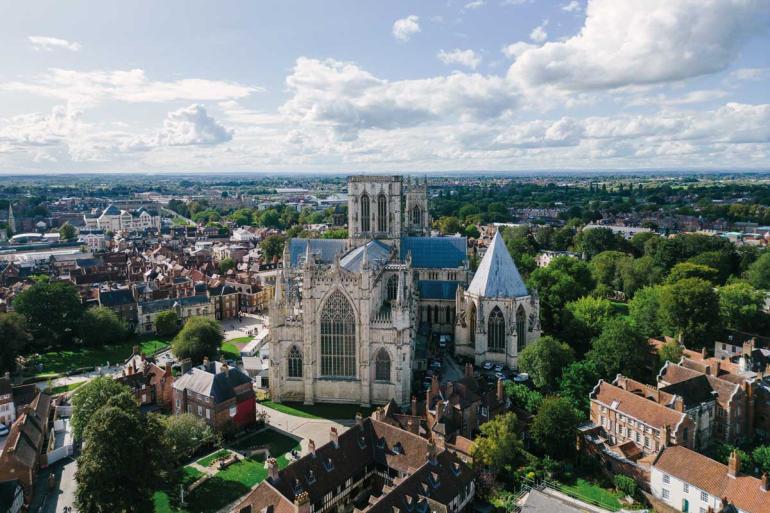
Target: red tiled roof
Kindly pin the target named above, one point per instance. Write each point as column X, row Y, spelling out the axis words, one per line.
column 630, row 404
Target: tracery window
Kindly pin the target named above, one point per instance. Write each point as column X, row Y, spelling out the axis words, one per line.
column 521, row 329
column 365, row 214
column 416, row 215
column 295, row 362
column 338, row 337
column 382, row 213
column 392, row 287
column 382, row 366
column 472, row 323
column 496, row 331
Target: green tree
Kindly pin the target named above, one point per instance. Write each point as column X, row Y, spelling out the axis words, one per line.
column 544, row 361
column 52, row 310
column 577, row 381
column 523, row 397
column 625, row 485
column 758, row 272
column 620, row 349
column 15, row 337
column 242, row 217
column 498, row 444
column 563, row 280
column 635, row 273
column 270, row 218
column 740, row 307
column 167, row 323
column 593, row 241
column 185, row 434
column 122, row 463
column 684, row 270
column 606, row 269
column 101, row 325
column 225, row 265
column 726, row 262
column 90, row 397
column 761, row 457
column 644, row 311
column 583, row 319
column 272, row 247
column 671, row 351
column 449, row 225
column 690, row 308
column 554, row 428
column 199, row 337
column 472, row 232
column 67, row 232
column 339, row 233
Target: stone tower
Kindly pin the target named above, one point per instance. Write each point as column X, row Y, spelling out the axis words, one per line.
column 417, row 219
column 11, row 220
column 374, row 207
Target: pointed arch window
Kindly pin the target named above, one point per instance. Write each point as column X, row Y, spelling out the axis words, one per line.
column 338, row 337
column 521, row 329
column 365, row 213
column 382, row 366
column 472, row 323
column 382, row 213
column 496, row 331
column 392, row 287
column 295, row 362
column 417, row 215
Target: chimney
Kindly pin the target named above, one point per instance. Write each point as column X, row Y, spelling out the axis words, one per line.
column 302, row 502
column 311, row 447
column 708, row 370
column 679, row 404
column 500, row 390
column 764, row 485
column 733, row 464
column 703, row 353
column 434, row 385
column 450, row 388
column 359, row 419
column 135, row 350
column 223, row 368
column 468, row 370
column 272, row 469
column 334, row 437
column 414, row 406
column 431, row 454
column 666, row 435
column 206, row 362
column 168, row 369
column 439, row 410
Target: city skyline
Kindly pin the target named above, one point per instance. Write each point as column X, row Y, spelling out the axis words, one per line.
column 503, row 85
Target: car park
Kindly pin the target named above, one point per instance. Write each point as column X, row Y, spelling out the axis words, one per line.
column 499, row 367
column 487, row 366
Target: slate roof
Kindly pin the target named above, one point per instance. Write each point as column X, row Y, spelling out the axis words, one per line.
column 678, row 375
column 160, row 305
column 212, row 382
column 116, row 297
column 435, row 252
column 376, row 251
column 538, row 502
column 709, row 475
column 437, row 289
column 112, row 210
column 497, row 275
column 323, row 249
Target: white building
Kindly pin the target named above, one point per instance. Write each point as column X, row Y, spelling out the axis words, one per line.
column 116, row 220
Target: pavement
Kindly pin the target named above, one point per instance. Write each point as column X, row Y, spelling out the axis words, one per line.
column 450, row 370
column 46, row 500
column 235, row 329
column 302, row 428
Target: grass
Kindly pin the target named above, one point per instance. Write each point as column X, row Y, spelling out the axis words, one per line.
column 621, row 309
column 229, row 484
column 63, row 388
column 56, row 363
column 231, row 350
column 586, row 490
column 319, row 411
column 208, row 460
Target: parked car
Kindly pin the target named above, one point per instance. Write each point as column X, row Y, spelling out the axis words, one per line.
column 499, row 367
column 521, row 378
column 3, row 430
column 487, row 366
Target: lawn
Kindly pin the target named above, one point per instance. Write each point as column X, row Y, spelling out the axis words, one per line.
column 583, row 489
column 208, row 460
column 319, row 411
column 56, row 363
column 232, row 348
column 229, row 484
column 63, row 388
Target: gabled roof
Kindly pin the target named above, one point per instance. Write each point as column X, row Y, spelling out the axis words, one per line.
column 376, row 251
column 213, row 382
column 324, row 250
column 435, row 252
column 628, row 403
column 497, row 275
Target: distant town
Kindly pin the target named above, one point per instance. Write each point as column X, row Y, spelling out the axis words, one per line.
column 394, row 343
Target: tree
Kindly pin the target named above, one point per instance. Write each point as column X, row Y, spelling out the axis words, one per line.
column 269, row 219
column 339, row 233
column 14, row 337
column 472, row 232
column 671, row 351
column 122, row 463
column 644, row 311
column 758, row 273
column 620, row 349
column 564, row 279
column 67, row 232
column 761, row 457
column 740, row 307
column 90, row 397
column 635, row 273
column 52, row 310
column 185, row 434
column 684, row 270
column 167, row 323
column 577, row 381
column 225, row 265
column 690, row 308
column 498, row 444
column 606, row 269
column 101, row 325
column 272, row 247
column 583, row 319
column 523, row 397
column 449, row 225
column 725, row 262
column 554, row 428
column 544, row 361
column 199, row 337
column 625, row 485
column 593, row 241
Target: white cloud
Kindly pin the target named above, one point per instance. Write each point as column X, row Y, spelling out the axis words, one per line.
column 750, row 73
column 538, row 34
column 475, row 4
column 573, row 6
column 40, row 129
column 405, row 28
column 467, row 58
column 513, row 51
column 92, row 87
column 191, row 126
column 644, row 41
column 48, row 44
column 515, row 2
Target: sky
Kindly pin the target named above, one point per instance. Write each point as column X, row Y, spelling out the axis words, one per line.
column 383, row 86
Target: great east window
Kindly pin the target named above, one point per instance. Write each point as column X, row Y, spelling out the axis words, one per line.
column 338, row 337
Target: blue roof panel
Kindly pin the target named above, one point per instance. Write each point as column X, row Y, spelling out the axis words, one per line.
column 437, row 289
column 435, row 252
column 323, row 249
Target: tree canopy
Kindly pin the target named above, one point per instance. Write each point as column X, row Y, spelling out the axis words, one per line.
column 554, row 428
column 544, row 361
column 199, row 337
column 53, row 312
column 498, row 443
column 690, row 308
column 101, row 325
column 620, row 349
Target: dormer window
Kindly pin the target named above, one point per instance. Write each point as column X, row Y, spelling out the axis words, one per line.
column 362, row 442
column 297, row 487
column 381, row 443
column 456, row 468
column 310, row 477
column 398, row 448
column 328, row 464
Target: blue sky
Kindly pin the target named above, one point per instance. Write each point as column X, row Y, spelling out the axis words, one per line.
column 336, row 86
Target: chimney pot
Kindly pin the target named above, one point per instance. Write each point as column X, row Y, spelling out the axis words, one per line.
column 734, row 464
column 414, row 406
column 311, row 447
column 764, row 482
column 334, row 437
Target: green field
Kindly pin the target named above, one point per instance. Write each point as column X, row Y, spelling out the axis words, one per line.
column 585, row 490
column 56, row 363
column 208, row 460
column 231, row 350
column 320, row 411
column 227, row 485
column 63, row 388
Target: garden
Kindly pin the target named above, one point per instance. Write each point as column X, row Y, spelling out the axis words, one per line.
column 320, row 411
